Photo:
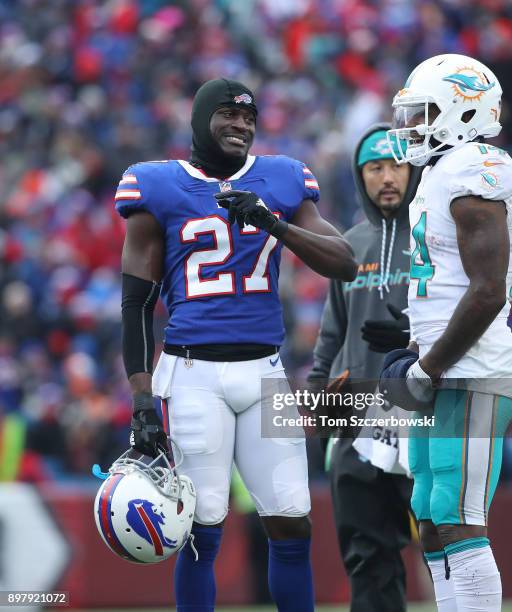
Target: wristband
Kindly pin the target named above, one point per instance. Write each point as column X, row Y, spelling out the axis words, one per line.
column 142, row 400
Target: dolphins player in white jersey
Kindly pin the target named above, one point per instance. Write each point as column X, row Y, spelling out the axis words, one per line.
column 460, row 279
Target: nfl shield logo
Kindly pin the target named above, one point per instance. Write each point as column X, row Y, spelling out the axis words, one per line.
column 224, row 186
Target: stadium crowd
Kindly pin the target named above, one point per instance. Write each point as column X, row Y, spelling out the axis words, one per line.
column 90, row 87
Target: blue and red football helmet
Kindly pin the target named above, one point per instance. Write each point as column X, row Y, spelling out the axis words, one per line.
column 144, row 510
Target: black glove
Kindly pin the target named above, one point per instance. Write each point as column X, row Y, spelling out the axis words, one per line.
column 147, row 434
column 247, row 208
column 385, row 336
column 404, row 382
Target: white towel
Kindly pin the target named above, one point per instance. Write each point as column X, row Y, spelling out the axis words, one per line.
column 385, row 447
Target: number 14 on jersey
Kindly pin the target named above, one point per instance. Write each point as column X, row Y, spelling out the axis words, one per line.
column 422, row 269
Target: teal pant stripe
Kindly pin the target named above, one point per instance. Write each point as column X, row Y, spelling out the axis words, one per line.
column 503, row 417
column 492, row 434
column 434, row 556
column 467, row 421
column 466, row 545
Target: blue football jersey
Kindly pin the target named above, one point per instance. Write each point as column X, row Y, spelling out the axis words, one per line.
column 220, row 283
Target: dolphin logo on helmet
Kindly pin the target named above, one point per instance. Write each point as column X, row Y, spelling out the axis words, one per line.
column 466, row 82
column 469, row 86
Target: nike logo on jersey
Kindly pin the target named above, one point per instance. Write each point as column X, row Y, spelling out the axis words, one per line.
column 274, row 363
column 406, row 252
column 488, row 164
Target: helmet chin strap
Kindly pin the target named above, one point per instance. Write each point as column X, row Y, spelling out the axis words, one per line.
column 191, row 539
column 427, row 151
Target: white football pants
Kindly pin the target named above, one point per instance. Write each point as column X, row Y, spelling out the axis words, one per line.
column 213, row 413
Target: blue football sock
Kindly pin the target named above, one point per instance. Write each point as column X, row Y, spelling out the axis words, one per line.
column 289, row 575
column 194, row 581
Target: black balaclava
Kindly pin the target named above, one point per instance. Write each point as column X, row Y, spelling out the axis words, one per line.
column 206, row 152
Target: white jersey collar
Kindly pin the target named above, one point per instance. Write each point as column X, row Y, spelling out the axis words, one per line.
column 199, row 174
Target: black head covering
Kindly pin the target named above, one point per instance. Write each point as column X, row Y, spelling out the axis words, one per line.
column 206, row 153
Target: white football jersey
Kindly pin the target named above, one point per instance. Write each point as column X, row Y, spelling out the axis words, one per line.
column 438, row 280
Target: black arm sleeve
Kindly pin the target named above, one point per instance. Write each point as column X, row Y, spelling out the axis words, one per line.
column 138, row 303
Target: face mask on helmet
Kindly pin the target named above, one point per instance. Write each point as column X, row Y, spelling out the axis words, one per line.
column 414, row 136
column 448, row 100
column 144, row 511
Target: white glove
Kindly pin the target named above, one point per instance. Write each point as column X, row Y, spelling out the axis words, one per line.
column 419, row 383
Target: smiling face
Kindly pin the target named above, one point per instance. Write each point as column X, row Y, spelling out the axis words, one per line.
column 233, row 129
column 385, row 182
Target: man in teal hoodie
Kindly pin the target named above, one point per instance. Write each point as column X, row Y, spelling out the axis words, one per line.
column 362, row 320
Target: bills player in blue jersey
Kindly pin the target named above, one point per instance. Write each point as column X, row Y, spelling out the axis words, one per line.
column 206, row 235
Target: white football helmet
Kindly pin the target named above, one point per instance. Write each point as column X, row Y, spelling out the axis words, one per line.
column 144, row 510
column 448, row 100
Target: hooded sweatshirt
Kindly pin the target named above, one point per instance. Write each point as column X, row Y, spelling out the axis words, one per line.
column 381, row 248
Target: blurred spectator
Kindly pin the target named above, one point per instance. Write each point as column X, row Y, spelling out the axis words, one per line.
column 89, row 87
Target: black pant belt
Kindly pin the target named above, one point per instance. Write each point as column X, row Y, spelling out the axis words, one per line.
column 222, row 352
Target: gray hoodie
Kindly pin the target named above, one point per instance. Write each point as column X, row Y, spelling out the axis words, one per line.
column 378, row 248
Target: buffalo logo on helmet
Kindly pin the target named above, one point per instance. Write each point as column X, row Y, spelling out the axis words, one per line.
column 469, row 84
column 243, row 98
column 144, row 519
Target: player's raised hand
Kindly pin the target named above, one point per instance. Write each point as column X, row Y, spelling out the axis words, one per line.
column 226, row 199
column 247, row 208
column 241, row 204
column 147, row 434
